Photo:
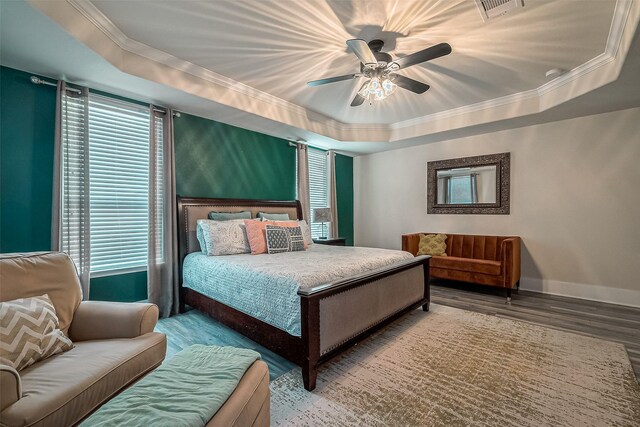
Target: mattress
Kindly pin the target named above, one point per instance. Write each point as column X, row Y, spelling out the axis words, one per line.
column 266, row 286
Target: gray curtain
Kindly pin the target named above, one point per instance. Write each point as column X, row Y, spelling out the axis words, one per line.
column 332, row 193
column 473, row 181
column 56, row 204
column 70, row 227
column 447, row 189
column 162, row 276
column 303, row 181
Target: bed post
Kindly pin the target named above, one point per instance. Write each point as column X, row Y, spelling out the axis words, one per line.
column 182, row 251
column 310, row 317
column 427, row 284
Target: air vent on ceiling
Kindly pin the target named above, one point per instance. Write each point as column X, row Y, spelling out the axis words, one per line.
column 491, row 9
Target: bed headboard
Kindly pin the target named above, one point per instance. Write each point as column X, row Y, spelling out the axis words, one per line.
column 191, row 209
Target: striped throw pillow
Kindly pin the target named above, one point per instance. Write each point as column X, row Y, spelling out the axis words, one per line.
column 30, row 332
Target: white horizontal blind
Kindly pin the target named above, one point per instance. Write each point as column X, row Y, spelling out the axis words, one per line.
column 317, row 186
column 119, row 184
column 73, row 173
column 158, row 176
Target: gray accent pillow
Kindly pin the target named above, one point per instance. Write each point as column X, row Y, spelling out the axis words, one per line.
column 284, row 239
column 223, row 237
column 274, row 216
column 226, row 216
column 277, row 239
column 296, row 239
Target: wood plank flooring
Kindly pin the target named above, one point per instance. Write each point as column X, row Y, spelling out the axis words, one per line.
column 596, row 319
column 194, row 327
column 607, row 321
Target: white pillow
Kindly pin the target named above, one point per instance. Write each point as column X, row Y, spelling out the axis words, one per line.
column 306, row 232
column 222, row 237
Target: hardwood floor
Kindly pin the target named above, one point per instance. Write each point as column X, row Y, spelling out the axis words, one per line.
column 194, row 327
column 607, row 321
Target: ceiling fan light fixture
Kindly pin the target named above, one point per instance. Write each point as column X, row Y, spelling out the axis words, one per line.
column 377, row 90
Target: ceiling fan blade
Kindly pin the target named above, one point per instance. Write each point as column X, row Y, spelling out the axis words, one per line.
column 362, row 51
column 427, row 54
column 358, row 99
column 409, row 84
column 333, row 79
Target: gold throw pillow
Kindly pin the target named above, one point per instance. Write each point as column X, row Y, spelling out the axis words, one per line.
column 433, row 244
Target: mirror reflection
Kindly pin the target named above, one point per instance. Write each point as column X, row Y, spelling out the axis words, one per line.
column 467, row 186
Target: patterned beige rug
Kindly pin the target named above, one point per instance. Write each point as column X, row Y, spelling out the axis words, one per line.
column 452, row 367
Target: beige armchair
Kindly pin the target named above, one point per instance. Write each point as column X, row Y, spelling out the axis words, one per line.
column 114, row 346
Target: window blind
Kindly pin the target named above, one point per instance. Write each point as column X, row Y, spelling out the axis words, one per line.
column 317, row 186
column 158, row 177
column 119, row 184
column 74, row 170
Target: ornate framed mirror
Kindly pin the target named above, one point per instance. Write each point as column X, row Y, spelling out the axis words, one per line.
column 469, row 185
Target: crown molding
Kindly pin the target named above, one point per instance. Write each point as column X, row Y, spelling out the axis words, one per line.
column 104, row 24
column 521, row 103
column 621, row 13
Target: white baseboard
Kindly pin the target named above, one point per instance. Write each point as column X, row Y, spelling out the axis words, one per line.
column 626, row 297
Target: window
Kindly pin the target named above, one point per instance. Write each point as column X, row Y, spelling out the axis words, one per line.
column 317, row 186
column 114, row 170
column 461, row 189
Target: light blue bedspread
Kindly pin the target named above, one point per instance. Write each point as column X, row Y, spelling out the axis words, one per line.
column 185, row 391
column 266, row 286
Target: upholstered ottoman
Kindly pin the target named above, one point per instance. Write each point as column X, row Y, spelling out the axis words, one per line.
column 200, row 386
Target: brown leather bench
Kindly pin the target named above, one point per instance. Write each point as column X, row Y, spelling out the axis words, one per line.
column 486, row 260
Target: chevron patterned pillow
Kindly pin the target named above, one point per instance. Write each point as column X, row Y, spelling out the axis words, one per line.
column 30, row 332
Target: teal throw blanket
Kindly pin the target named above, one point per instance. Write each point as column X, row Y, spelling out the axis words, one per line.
column 185, row 391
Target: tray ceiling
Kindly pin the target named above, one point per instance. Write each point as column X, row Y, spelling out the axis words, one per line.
column 246, row 62
column 277, row 46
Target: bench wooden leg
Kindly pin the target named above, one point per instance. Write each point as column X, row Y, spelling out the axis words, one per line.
column 425, row 307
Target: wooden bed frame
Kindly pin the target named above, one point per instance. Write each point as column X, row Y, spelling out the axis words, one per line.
column 334, row 316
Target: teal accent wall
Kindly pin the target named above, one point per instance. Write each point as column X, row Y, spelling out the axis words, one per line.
column 27, row 128
column 344, row 192
column 27, row 131
column 212, row 160
column 218, row 160
column 123, row 287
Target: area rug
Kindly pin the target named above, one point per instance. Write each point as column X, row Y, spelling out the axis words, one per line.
column 452, row 367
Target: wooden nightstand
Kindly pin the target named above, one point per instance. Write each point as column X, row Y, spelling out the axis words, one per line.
column 338, row 241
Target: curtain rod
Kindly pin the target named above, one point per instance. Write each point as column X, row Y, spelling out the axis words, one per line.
column 304, row 142
column 39, row 81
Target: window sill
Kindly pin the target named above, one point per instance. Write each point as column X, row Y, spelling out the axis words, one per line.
column 119, row 272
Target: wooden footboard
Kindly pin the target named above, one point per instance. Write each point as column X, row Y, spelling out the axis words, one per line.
column 333, row 316
column 337, row 315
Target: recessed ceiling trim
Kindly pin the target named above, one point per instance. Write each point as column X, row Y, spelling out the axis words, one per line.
column 468, row 109
column 295, row 115
column 618, row 24
column 92, row 13
column 621, row 15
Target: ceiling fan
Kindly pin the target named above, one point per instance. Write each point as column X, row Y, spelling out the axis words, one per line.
column 380, row 70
